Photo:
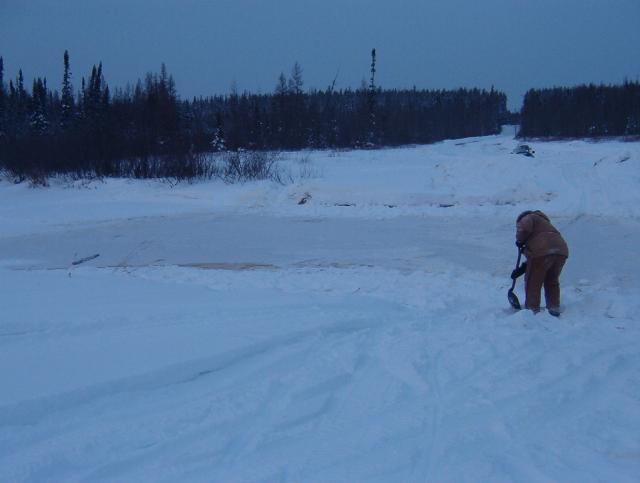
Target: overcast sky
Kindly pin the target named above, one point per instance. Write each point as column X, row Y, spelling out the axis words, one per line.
column 208, row 45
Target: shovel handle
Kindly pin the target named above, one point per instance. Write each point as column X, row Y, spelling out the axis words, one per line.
column 520, row 250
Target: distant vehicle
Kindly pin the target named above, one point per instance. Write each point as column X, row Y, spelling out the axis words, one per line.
column 525, row 150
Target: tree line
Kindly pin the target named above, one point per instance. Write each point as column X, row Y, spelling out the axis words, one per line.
column 146, row 130
column 90, row 130
column 582, row 111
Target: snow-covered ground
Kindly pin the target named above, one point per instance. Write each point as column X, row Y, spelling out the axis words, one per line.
column 227, row 333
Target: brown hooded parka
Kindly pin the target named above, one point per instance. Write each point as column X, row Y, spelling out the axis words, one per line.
column 539, row 236
column 546, row 253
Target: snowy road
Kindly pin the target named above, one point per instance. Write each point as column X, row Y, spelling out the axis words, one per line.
column 264, row 347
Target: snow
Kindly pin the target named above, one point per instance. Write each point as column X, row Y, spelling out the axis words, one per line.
column 226, row 333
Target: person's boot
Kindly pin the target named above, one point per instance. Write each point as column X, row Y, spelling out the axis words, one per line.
column 554, row 311
column 535, row 310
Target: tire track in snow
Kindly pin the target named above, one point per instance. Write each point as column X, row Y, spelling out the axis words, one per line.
column 25, row 413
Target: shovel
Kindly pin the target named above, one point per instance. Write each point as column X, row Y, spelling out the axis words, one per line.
column 513, row 298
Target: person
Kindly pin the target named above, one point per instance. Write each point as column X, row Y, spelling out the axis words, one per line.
column 546, row 253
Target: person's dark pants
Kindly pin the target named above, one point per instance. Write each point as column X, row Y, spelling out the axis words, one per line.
column 544, row 271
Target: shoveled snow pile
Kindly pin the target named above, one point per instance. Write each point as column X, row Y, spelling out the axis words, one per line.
column 229, row 333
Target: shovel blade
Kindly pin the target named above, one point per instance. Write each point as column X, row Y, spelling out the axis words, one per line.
column 513, row 300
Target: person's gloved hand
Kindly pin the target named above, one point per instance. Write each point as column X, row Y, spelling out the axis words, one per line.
column 519, row 271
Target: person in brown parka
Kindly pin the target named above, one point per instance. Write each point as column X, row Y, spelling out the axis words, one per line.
column 546, row 253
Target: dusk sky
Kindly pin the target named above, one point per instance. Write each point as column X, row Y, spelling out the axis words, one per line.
column 209, row 45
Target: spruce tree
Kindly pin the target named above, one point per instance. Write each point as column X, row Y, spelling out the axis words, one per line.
column 20, row 105
column 2, row 97
column 281, row 86
column 2, row 92
column 22, row 93
column 281, row 111
column 38, row 115
column 295, row 81
column 218, row 142
column 371, row 104
column 66, row 100
column 297, row 107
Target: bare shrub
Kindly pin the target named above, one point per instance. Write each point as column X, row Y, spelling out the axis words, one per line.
column 240, row 166
column 232, row 167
